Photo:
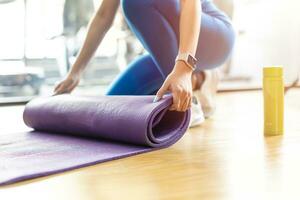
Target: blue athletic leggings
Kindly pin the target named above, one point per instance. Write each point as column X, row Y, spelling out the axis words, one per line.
column 156, row 25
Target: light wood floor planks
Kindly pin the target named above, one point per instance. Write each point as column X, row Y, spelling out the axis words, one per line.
column 227, row 158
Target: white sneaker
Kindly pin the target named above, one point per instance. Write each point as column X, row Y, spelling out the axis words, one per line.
column 206, row 95
column 197, row 117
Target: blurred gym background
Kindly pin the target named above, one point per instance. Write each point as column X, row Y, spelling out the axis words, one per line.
column 39, row 41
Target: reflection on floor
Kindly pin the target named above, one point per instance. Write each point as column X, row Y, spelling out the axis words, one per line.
column 226, row 158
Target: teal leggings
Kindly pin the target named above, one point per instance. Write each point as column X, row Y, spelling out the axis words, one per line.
column 156, row 25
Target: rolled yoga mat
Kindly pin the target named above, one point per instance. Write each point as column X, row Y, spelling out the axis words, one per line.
column 72, row 132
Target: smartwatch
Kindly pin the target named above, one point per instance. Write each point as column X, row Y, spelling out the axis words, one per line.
column 190, row 60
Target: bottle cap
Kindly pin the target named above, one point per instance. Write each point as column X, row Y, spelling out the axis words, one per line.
column 273, row 71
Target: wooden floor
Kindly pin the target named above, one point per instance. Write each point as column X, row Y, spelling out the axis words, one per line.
column 227, row 158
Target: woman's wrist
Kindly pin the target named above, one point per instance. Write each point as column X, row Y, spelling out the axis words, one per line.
column 74, row 74
column 76, row 71
column 182, row 68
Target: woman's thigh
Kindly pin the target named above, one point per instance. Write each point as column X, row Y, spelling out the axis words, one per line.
column 156, row 24
column 215, row 43
column 216, row 39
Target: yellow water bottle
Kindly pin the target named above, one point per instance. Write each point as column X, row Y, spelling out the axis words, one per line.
column 273, row 89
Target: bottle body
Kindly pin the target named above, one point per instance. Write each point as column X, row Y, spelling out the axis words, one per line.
column 273, row 90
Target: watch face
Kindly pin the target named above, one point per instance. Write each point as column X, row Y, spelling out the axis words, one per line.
column 192, row 61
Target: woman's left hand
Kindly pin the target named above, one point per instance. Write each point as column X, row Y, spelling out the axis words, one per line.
column 179, row 84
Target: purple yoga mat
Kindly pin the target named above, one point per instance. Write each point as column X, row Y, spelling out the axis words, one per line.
column 71, row 132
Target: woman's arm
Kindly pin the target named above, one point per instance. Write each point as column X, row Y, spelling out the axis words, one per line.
column 189, row 25
column 179, row 80
column 98, row 27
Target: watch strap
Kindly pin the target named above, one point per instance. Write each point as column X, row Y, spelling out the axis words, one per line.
column 187, row 57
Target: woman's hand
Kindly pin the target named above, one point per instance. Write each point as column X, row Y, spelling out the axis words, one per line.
column 180, row 85
column 67, row 85
column 100, row 24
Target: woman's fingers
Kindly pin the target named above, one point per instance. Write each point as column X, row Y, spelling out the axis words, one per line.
column 61, row 89
column 181, row 94
column 176, row 99
column 185, row 103
column 189, row 102
column 57, row 86
column 160, row 93
column 70, row 87
column 181, row 100
column 66, row 86
column 57, row 90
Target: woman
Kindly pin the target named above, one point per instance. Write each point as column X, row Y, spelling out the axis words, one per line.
column 176, row 34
